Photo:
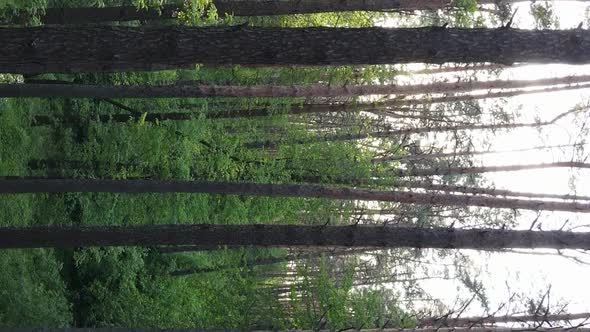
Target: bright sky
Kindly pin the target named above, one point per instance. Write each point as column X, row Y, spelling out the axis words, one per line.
column 504, row 274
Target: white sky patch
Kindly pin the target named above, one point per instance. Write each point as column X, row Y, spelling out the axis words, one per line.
column 506, row 273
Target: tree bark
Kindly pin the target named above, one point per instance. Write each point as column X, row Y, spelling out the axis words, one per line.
column 195, row 91
column 45, row 120
column 486, row 169
column 489, row 95
column 250, row 264
column 106, row 48
column 14, row 186
column 289, row 236
column 453, row 69
column 153, row 329
column 464, row 153
column 474, row 321
column 485, row 191
column 82, row 15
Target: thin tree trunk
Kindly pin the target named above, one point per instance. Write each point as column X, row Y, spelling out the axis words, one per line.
column 84, row 15
column 107, row 48
column 44, row 120
column 184, row 249
column 195, row 91
column 250, row 264
column 484, row 191
column 289, row 236
column 277, row 190
column 464, row 153
column 486, row 169
column 241, row 8
column 273, row 143
column 439, row 329
column 489, row 95
column 474, row 321
column 453, row 69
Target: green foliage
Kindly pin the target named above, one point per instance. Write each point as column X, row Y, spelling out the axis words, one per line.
column 544, row 16
column 134, row 286
column 330, row 301
column 32, row 292
column 199, row 13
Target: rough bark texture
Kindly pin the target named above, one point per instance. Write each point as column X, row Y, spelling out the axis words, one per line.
column 186, row 90
column 105, row 48
column 277, row 190
column 288, row 236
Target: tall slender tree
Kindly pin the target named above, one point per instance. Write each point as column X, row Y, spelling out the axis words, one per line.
column 484, row 191
column 82, row 15
column 486, row 169
column 289, row 236
column 409, row 157
column 476, row 321
column 279, row 190
column 272, row 144
column 188, row 90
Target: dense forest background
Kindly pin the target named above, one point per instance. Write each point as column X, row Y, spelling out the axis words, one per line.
column 425, row 139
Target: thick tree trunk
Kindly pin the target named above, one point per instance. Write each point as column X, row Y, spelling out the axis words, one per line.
column 486, row 169
column 289, row 236
column 277, row 190
column 105, row 48
column 195, row 91
column 475, row 321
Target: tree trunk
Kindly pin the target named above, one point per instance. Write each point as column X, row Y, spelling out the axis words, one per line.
column 489, row 95
column 250, row 264
column 474, row 321
column 464, row 153
column 155, row 329
column 452, row 69
column 195, row 91
column 484, row 191
column 107, row 48
column 273, row 144
column 45, row 120
column 289, row 236
column 82, row 15
column 485, row 169
column 277, row 190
